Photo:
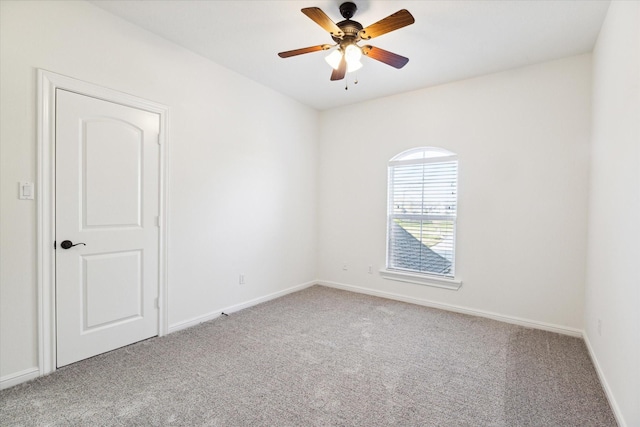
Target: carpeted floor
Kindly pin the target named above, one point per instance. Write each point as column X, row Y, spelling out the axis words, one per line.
column 324, row 357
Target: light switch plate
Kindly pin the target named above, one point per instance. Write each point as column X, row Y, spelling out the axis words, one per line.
column 25, row 190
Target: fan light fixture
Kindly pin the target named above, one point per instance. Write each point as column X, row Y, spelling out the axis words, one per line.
column 334, row 58
column 352, row 55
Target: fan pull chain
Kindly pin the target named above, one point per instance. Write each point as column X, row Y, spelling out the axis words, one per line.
column 346, row 80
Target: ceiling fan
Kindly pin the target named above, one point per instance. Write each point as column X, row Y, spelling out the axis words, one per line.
column 346, row 57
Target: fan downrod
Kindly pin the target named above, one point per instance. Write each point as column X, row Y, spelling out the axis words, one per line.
column 348, row 9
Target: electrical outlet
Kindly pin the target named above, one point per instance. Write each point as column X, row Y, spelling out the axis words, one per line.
column 344, row 266
column 241, row 279
column 599, row 327
column 371, row 269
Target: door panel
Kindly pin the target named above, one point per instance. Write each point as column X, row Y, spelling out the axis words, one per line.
column 107, row 197
column 112, row 173
column 112, row 288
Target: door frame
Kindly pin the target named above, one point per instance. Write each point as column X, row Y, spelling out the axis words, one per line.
column 48, row 83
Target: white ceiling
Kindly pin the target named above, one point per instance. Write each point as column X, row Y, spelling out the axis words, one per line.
column 450, row 40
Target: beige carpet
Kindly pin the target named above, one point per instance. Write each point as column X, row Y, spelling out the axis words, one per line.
column 323, row 357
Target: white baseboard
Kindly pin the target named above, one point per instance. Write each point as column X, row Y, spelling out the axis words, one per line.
column 19, row 377
column 216, row 313
column 605, row 385
column 565, row 330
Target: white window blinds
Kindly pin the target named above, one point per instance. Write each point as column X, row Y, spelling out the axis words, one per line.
column 422, row 195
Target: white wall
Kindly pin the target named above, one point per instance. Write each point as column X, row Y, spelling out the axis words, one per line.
column 613, row 272
column 522, row 137
column 242, row 165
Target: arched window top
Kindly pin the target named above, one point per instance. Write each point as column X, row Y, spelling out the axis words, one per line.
column 423, row 155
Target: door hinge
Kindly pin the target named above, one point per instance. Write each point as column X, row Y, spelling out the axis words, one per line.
column 158, row 221
column 156, row 303
column 158, row 139
column 54, row 245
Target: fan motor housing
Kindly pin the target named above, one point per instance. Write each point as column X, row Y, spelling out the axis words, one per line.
column 350, row 29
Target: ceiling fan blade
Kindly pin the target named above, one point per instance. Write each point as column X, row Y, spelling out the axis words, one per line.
column 338, row 74
column 321, row 18
column 309, row 49
column 400, row 19
column 385, row 56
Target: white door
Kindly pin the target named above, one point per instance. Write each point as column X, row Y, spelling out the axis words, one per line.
column 107, row 206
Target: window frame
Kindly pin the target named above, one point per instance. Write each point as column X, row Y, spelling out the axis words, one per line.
column 408, row 157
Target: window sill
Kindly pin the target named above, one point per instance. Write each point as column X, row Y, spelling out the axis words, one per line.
column 420, row 279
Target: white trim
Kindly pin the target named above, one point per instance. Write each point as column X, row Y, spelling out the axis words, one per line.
column 421, row 279
column 195, row 321
column 439, row 159
column 424, row 217
column 237, row 307
column 48, row 83
column 534, row 324
column 45, row 224
column 444, row 154
column 19, row 377
column 605, row 385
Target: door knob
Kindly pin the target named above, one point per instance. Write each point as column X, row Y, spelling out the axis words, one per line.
column 66, row 244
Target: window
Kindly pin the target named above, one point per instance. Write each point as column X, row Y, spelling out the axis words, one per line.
column 421, row 221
